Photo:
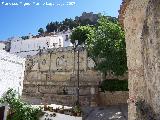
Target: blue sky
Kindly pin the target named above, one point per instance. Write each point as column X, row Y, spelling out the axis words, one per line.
column 20, row 20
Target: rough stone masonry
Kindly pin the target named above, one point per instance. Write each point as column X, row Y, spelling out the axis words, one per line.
column 141, row 20
column 51, row 77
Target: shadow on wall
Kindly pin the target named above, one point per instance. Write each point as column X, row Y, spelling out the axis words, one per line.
column 2, row 110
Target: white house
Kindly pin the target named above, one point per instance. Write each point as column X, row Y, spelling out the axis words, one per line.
column 66, row 38
column 12, row 70
column 32, row 46
column 2, row 45
column 11, row 73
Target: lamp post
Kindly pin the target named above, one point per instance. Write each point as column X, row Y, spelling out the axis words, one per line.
column 76, row 48
column 78, row 80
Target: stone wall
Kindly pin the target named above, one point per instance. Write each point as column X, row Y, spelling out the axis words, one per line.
column 51, row 77
column 113, row 98
column 141, row 25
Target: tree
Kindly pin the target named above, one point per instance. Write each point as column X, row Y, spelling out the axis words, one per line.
column 69, row 23
column 53, row 26
column 41, row 31
column 83, row 34
column 108, row 49
column 25, row 37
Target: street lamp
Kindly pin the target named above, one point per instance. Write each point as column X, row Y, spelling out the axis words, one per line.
column 78, row 79
column 77, row 89
column 77, row 48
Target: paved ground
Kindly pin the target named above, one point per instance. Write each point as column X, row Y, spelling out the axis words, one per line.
column 118, row 112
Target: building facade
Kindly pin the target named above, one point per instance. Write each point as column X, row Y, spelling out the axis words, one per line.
column 11, row 76
column 2, row 46
column 33, row 45
column 11, row 72
column 66, row 38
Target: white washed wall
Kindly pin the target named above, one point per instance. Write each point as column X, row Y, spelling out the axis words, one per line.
column 67, row 42
column 31, row 46
column 58, row 41
column 2, row 46
column 11, row 72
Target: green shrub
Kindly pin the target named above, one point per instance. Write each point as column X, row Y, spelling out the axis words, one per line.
column 20, row 110
column 114, row 85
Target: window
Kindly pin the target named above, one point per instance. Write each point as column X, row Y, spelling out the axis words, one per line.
column 47, row 44
column 53, row 44
column 28, row 55
column 66, row 38
column 59, row 42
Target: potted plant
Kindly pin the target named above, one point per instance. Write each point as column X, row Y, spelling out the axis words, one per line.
column 45, row 107
column 79, row 113
column 50, row 109
column 62, row 110
column 58, row 110
column 55, row 110
column 77, row 110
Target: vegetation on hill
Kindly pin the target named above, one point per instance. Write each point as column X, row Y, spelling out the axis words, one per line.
column 40, row 31
column 68, row 23
column 60, row 26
